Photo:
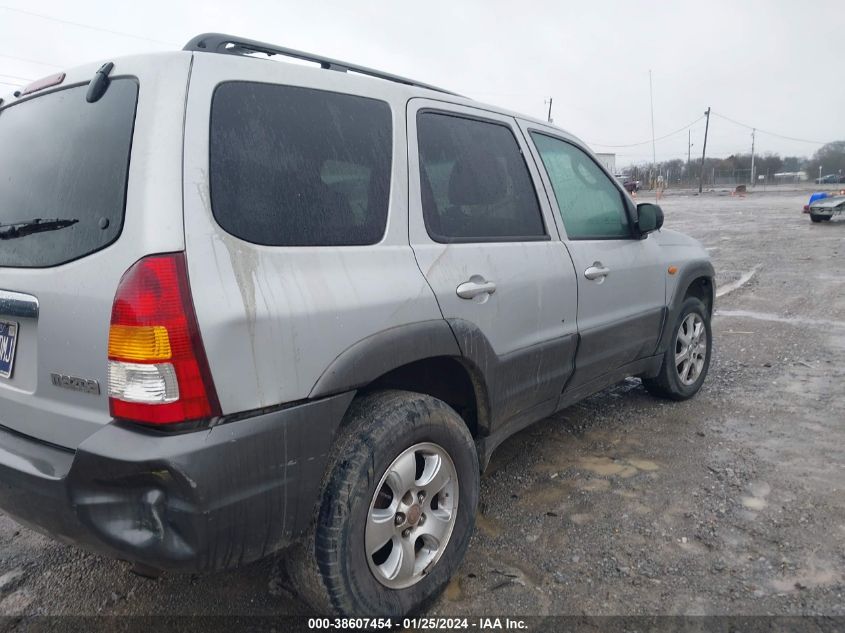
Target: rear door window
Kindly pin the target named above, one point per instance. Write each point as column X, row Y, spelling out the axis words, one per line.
column 294, row 166
column 63, row 169
column 475, row 185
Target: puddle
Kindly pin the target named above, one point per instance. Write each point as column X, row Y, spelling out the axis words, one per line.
column 759, row 489
column 602, row 465
column 488, row 526
column 807, row 580
column 643, row 464
column 550, row 495
column 593, row 485
column 626, row 494
column 775, row 318
column 607, row 467
column 736, row 285
column 15, row 603
column 757, row 500
column 640, row 509
column 753, row 503
column 454, row 592
column 581, row 518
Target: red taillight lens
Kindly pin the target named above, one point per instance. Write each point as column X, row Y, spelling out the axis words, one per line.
column 158, row 371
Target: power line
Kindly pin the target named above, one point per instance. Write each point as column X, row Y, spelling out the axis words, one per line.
column 30, row 61
column 751, row 127
column 85, row 26
column 660, row 138
column 15, row 77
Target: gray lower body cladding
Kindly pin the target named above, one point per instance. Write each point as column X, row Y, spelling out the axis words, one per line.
column 201, row 500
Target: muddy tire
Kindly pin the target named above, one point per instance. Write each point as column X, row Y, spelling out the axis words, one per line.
column 392, row 440
column 687, row 359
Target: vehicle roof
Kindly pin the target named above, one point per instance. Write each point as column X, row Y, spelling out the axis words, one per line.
column 126, row 65
column 82, row 74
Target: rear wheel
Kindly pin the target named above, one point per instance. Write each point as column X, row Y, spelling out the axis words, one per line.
column 397, row 510
column 687, row 359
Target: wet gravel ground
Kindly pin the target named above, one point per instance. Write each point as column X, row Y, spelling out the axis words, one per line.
column 731, row 503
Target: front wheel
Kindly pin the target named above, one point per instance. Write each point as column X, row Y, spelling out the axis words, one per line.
column 686, row 361
column 397, row 509
column 816, row 218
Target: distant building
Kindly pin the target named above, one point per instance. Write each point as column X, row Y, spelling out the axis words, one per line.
column 791, row 176
column 609, row 161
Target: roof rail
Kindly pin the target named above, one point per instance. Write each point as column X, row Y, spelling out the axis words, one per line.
column 233, row 45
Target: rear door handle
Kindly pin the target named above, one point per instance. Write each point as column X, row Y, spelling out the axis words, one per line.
column 476, row 285
column 597, row 271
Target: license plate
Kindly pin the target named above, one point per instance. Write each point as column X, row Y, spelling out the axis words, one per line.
column 8, row 340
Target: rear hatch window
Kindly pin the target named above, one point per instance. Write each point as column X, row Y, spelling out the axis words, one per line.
column 63, row 169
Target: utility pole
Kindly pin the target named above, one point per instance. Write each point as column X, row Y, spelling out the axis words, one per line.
column 753, row 132
column 550, row 109
column 704, row 150
column 651, row 100
column 689, row 155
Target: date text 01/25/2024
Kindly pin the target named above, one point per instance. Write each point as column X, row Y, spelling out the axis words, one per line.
column 429, row 624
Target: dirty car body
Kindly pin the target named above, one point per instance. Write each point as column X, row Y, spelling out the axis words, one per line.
column 284, row 327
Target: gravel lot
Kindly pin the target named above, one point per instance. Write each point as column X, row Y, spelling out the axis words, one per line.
column 732, row 503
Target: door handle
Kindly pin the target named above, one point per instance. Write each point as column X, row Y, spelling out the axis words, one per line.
column 597, row 271
column 476, row 285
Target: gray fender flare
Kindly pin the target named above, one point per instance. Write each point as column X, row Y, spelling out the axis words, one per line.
column 689, row 273
column 379, row 353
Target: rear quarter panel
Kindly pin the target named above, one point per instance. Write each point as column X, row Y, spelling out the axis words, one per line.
column 274, row 318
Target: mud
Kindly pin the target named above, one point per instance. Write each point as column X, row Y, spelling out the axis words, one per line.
column 731, row 503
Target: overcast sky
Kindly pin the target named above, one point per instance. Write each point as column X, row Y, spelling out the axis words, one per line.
column 778, row 65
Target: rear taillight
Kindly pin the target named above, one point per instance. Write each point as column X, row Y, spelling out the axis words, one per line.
column 158, row 371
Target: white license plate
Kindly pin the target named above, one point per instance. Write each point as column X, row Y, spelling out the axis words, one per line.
column 8, row 342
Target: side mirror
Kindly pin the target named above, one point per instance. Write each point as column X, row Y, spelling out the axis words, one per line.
column 649, row 217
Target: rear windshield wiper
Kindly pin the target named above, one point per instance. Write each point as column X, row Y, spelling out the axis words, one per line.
column 20, row 229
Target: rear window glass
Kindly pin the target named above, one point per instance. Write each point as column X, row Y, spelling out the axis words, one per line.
column 63, row 169
column 295, row 166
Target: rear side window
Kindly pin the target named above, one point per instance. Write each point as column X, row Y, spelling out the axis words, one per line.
column 295, row 166
column 591, row 206
column 63, row 169
column 475, row 186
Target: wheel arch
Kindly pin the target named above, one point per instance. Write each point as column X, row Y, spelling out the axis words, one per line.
column 696, row 279
column 422, row 357
column 702, row 288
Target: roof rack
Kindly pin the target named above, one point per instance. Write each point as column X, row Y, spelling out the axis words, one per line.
column 232, row 45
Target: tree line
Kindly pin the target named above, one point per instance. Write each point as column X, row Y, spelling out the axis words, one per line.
column 830, row 157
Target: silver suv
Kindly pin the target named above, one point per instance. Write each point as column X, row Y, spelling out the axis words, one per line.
column 246, row 305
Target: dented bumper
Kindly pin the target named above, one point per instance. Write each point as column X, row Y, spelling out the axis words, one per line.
column 207, row 499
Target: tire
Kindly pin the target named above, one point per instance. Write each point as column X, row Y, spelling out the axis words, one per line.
column 331, row 568
column 669, row 383
column 816, row 218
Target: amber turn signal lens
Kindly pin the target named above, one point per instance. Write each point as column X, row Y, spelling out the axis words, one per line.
column 673, row 270
column 144, row 342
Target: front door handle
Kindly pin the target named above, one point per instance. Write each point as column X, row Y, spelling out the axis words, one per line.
column 476, row 286
column 596, row 271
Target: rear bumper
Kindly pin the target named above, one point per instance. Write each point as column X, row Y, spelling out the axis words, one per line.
column 202, row 500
